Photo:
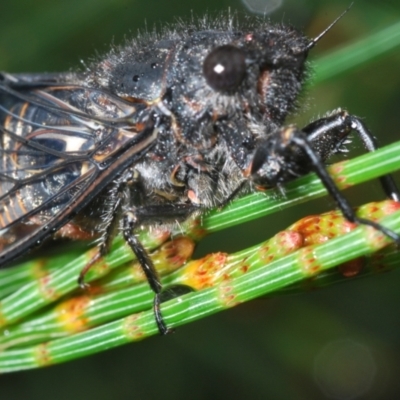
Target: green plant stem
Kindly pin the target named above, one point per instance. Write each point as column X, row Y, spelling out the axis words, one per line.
column 357, row 53
column 262, row 280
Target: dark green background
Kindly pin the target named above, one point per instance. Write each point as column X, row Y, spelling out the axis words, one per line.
column 267, row 348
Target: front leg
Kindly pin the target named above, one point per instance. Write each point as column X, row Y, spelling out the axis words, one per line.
column 301, row 140
column 291, row 152
column 328, row 134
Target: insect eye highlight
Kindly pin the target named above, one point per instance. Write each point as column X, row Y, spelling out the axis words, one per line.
column 224, row 68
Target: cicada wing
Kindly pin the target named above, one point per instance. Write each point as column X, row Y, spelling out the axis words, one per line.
column 60, row 145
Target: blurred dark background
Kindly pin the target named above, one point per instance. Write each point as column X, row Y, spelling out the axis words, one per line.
column 342, row 342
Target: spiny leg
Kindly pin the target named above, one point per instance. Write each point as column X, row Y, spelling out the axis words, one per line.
column 116, row 197
column 147, row 214
column 328, row 134
column 302, row 141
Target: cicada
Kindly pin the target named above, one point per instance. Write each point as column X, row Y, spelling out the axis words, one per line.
column 167, row 125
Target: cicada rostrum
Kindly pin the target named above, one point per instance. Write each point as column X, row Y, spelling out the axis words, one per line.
column 162, row 127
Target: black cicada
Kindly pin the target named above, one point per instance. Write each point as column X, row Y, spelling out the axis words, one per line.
column 158, row 129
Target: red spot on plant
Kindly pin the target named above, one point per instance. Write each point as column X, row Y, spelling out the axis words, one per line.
column 42, row 355
column 307, row 262
column 131, row 327
column 206, row 272
column 47, row 289
column 3, row 320
column 71, row 313
column 177, row 251
column 226, row 296
column 352, row 268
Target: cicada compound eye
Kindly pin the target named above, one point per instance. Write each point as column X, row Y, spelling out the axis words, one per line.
column 224, row 68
